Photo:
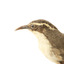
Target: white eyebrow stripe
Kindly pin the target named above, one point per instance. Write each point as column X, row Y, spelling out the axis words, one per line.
column 45, row 25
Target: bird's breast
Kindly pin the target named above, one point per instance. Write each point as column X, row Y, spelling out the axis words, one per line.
column 45, row 46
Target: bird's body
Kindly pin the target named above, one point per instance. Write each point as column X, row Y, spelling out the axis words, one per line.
column 47, row 49
column 51, row 40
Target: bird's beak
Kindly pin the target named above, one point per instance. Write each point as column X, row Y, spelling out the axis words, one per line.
column 23, row 27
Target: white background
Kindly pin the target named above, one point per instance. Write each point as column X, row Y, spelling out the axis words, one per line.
column 21, row 47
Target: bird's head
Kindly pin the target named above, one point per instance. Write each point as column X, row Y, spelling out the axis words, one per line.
column 42, row 29
column 38, row 26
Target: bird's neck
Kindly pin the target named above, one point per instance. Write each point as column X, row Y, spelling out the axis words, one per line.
column 41, row 38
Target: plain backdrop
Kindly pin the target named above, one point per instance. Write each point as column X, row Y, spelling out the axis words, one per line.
column 21, row 47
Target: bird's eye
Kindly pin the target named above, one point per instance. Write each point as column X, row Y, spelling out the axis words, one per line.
column 32, row 26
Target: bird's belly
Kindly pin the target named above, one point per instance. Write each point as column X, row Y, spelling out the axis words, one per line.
column 46, row 48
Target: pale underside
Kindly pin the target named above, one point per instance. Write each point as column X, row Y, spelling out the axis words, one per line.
column 46, row 48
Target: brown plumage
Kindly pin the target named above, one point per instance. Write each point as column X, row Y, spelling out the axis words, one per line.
column 51, row 40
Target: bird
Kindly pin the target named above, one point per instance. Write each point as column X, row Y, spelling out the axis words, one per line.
column 50, row 39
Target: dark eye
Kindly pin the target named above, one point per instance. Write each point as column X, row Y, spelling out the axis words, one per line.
column 32, row 26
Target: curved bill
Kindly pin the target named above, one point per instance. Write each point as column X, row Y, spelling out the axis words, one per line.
column 22, row 27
